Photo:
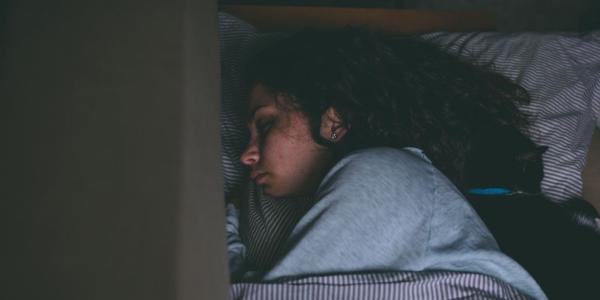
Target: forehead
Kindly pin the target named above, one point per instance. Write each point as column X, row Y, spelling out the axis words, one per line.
column 260, row 96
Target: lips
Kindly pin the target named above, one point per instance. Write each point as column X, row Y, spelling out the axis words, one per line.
column 254, row 174
column 258, row 177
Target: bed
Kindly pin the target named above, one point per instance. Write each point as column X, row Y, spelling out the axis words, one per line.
column 560, row 70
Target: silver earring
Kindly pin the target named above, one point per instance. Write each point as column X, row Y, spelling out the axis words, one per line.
column 333, row 135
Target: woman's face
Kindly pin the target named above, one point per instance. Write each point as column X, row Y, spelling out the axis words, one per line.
column 282, row 156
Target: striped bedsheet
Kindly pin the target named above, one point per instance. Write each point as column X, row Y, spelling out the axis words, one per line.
column 396, row 285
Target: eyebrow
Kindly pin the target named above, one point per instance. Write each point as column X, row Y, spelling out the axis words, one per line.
column 253, row 113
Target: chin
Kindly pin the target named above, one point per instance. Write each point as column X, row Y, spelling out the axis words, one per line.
column 268, row 191
column 273, row 194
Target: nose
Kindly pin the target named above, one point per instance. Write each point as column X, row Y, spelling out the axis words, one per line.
column 250, row 156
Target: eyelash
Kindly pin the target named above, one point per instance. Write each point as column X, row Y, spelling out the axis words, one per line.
column 263, row 127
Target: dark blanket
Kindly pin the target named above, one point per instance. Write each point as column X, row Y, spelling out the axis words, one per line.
column 561, row 254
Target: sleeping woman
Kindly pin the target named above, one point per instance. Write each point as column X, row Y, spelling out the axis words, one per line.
column 378, row 132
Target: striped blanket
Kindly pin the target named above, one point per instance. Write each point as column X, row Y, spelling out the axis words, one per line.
column 398, row 285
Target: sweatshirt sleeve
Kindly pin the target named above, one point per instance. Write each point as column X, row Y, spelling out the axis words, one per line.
column 236, row 250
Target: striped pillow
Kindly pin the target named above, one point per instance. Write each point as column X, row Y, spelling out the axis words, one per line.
column 235, row 37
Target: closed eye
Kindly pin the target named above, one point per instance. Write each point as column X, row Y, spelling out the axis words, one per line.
column 263, row 127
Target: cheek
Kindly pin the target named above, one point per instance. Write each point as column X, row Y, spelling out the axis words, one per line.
column 280, row 149
column 294, row 160
column 301, row 151
column 299, row 130
column 288, row 145
column 274, row 149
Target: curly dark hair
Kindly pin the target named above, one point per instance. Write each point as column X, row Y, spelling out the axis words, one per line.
column 390, row 91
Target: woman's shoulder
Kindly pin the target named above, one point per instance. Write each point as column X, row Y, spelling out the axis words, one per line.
column 388, row 155
column 384, row 163
column 390, row 177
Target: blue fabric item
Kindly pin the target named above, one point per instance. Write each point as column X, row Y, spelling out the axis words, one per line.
column 236, row 250
column 489, row 191
column 385, row 209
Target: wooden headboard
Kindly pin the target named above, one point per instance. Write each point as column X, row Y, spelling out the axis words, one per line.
column 290, row 18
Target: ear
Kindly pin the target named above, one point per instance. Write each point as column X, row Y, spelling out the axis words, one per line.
column 332, row 122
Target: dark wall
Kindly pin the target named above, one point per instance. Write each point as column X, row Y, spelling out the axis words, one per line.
column 112, row 186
